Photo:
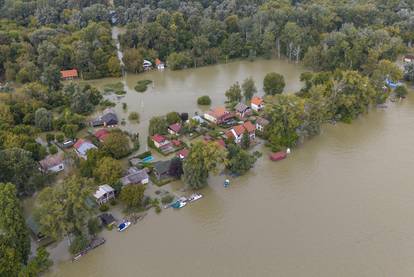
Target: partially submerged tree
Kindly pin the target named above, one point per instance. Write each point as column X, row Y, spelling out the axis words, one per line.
column 202, row 159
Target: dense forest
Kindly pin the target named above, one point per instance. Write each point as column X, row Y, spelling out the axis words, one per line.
column 351, row 45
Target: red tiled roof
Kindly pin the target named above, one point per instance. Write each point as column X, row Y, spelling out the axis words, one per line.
column 257, row 100
column 176, row 142
column 72, row 73
column 176, row 127
column 78, row 143
column 218, row 112
column 249, row 127
column 158, row 61
column 158, row 138
column 239, row 129
column 102, row 134
column 183, row 153
column 221, row 143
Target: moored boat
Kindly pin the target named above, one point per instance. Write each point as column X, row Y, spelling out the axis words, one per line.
column 278, row 156
column 124, row 225
column 179, row 204
column 195, row 197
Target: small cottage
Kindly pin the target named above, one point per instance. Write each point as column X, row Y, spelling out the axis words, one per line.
column 104, row 194
column 183, row 153
column 101, row 134
column 174, row 129
column 107, row 119
column 236, row 133
column 82, row 147
column 408, row 58
column 160, row 141
column 161, row 169
column 218, row 115
column 261, row 124
column 242, row 110
column 107, row 219
column 68, row 74
column 52, row 163
column 160, row 65
column 257, row 104
column 135, row 176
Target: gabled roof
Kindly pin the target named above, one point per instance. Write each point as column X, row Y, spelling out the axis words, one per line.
column 182, row 154
column 262, row 121
column 176, row 127
column 82, row 146
column 249, row 127
column 51, row 161
column 162, row 167
column 158, row 61
column 102, row 190
column 257, row 100
column 72, row 73
column 218, row 112
column 158, row 138
column 241, row 107
column 135, row 176
column 102, row 134
column 239, row 129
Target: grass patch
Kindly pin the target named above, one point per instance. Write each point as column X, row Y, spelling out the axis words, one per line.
column 117, row 88
column 142, row 85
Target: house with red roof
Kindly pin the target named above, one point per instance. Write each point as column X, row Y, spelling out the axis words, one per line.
column 101, row 134
column 183, row 153
column 174, row 129
column 257, row 104
column 160, row 141
column 82, row 147
column 69, row 74
column 236, row 133
column 160, row 65
column 218, row 115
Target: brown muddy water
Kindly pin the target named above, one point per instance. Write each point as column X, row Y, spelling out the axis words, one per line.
column 340, row 205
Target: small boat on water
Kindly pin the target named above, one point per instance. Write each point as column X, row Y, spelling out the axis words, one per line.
column 278, row 156
column 179, row 204
column 124, row 225
column 194, row 197
column 226, row 183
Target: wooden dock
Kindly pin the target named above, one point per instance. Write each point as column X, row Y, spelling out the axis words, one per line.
column 96, row 242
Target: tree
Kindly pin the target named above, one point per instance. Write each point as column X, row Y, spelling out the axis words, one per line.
column 273, row 83
column 245, row 141
column 116, row 144
column 173, row 117
column 114, row 67
column 63, row 209
column 51, row 77
column 202, row 159
column 132, row 195
column 249, row 88
column 408, row 74
column 233, row 94
column 6, row 117
column 204, row 100
column 18, row 167
column 43, row 119
column 108, row 170
column 10, row 260
column 401, row 91
column 157, row 125
column 12, row 225
column 133, row 60
column 176, row 168
column 39, row 264
column 239, row 160
column 178, row 60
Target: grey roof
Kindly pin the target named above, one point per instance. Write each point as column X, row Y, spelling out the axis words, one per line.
column 107, row 218
column 262, row 121
column 108, row 117
column 162, row 167
column 241, row 108
column 135, row 176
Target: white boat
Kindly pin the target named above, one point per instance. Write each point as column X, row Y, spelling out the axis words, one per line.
column 195, row 197
column 179, row 204
column 123, row 226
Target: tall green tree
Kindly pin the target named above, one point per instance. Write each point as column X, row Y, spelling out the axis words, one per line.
column 132, row 195
column 234, row 93
column 43, row 119
column 62, row 210
column 203, row 159
column 12, row 225
column 273, row 83
column 239, row 160
column 249, row 88
column 117, row 144
column 157, row 125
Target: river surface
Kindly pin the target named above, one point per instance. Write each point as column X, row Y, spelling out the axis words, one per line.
column 340, row 205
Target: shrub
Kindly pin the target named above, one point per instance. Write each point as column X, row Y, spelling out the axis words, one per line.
column 157, row 209
column 142, row 85
column 78, row 244
column 104, row 208
column 401, row 91
column 133, row 116
column 117, row 88
column 124, row 106
column 204, row 100
column 167, row 199
column 113, row 202
column 60, row 138
column 50, row 137
column 53, row 149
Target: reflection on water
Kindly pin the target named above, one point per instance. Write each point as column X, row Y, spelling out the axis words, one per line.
column 340, row 205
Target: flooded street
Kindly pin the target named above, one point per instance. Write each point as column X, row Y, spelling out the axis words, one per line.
column 340, row 205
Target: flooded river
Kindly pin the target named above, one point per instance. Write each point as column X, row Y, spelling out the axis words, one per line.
column 340, row 205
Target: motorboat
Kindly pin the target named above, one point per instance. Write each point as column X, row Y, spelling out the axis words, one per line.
column 195, row 197
column 124, row 225
column 179, row 204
